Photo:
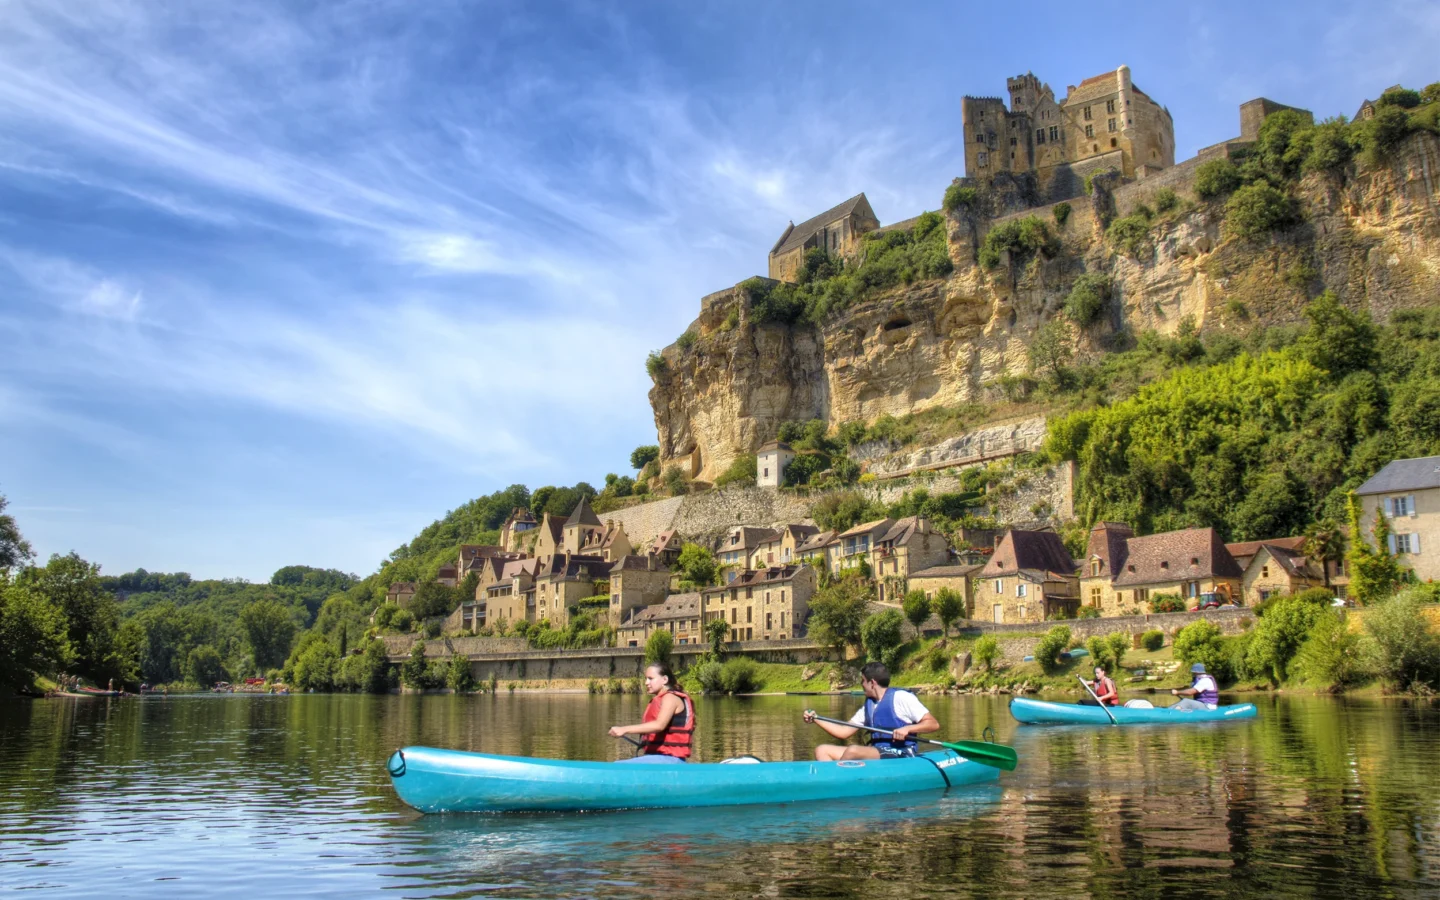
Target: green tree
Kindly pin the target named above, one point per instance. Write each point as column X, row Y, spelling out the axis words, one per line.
column 203, row 666
column 1374, row 571
column 14, row 549
column 1087, row 298
column 841, row 510
column 33, row 636
column 458, row 675
column 1256, row 210
column 373, row 669
column 315, row 664
column 91, row 615
column 658, row 647
column 1407, row 646
column 1216, row 178
column 881, row 634
column 698, row 564
column 643, row 454
column 948, row 606
column 1325, row 543
column 269, row 629
column 675, row 481
column 717, row 632
column 432, row 599
column 1279, row 635
column 1051, row 351
column 1047, row 651
column 1201, row 642
column 917, row 609
column 987, row 651
column 1338, row 340
column 1332, row 656
column 837, row 613
column 413, row 669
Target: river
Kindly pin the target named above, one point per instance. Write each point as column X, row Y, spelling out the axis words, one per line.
column 255, row 797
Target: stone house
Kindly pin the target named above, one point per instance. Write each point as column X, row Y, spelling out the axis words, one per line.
column 780, row 550
column 516, row 524
column 680, row 614
column 770, row 462
column 1276, row 566
column 510, row 595
column 611, row 544
column 959, row 578
column 815, row 552
column 549, row 537
column 837, row 230
column 582, row 529
column 666, row 548
column 736, row 547
column 562, row 581
column 401, row 593
column 763, row 604
column 1189, row 563
column 908, row 546
column 1105, row 554
column 1407, row 492
column 1030, row 578
column 853, row 547
column 448, row 576
column 635, row 582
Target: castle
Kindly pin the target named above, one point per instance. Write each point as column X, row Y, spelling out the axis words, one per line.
column 1104, row 123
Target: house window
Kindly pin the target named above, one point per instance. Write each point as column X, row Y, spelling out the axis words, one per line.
column 1039, row 135
column 1054, row 133
column 769, row 621
column 1022, row 611
column 749, row 614
column 767, row 472
column 1110, row 106
column 979, row 138
column 782, row 600
column 1400, row 506
column 1087, row 113
column 1406, row 543
column 999, row 585
column 1089, row 131
column 1095, row 596
column 782, row 620
column 1112, row 142
column 734, row 615
column 1095, row 566
column 1110, row 125
column 1264, row 571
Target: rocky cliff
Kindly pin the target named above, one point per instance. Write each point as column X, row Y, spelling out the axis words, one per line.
column 1370, row 235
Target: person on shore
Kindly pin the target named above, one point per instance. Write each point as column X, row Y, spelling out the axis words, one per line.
column 1203, row 692
column 1104, row 688
column 668, row 722
column 899, row 712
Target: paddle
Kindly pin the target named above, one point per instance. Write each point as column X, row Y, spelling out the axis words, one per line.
column 1097, row 699
column 997, row 756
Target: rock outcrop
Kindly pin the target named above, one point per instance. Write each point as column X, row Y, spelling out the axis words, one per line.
column 1372, row 236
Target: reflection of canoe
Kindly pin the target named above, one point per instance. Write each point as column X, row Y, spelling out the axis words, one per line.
column 434, row 780
column 1040, row 712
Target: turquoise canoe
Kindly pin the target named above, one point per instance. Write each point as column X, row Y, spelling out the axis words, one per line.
column 1040, row 712
column 433, row 781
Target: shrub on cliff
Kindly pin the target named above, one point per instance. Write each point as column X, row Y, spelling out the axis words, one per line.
column 656, row 365
column 1022, row 238
column 1130, row 234
column 740, row 471
column 687, row 340
column 1256, row 210
column 1216, row 178
column 957, row 196
column 1087, row 298
column 1061, row 212
column 841, row 510
column 643, row 454
column 676, row 482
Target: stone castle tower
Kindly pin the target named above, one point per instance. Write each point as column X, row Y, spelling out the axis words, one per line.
column 1103, row 123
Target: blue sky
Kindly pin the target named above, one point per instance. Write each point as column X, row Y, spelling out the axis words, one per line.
column 283, row 282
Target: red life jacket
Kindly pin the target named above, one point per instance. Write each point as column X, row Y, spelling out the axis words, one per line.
column 1106, row 686
column 675, row 739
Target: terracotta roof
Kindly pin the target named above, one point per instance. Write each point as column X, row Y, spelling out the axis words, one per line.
column 1404, row 475
column 583, row 514
column 868, row 527
column 1177, row 556
column 775, row 445
column 665, row 541
column 749, row 538
column 1041, row 551
column 1107, row 543
column 473, row 551
column 817, row 542
column 1244, row 550
column 946, row 571
column 796, row 235
column 676, row 606
column 519, row 514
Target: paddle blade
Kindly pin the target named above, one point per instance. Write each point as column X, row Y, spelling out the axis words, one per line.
column 997, row 756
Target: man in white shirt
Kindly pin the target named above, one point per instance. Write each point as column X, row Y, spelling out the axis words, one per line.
column 898, row 712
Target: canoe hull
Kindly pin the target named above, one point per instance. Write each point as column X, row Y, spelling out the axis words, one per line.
column 1040, row 712
column 433, row 781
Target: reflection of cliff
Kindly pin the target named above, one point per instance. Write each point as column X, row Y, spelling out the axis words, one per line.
column 1371, row 236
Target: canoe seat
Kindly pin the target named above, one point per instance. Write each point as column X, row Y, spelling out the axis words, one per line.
column 1139, row 704
column 747, row 758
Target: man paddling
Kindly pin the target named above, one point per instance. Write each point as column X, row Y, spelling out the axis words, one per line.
column 1203, row 689
column 668, row 722
column 1104, row 688
column 899, row 712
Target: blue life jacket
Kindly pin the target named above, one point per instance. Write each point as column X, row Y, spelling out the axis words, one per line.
column 1211, row 696
column 882, row 715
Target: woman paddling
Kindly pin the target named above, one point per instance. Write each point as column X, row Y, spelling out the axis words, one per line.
column 668, row 723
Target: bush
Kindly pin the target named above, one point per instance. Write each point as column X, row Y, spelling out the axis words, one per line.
column 1283, row 628
column 1379, row 136
column 1087, row 299
column 687, row 340
column 458, row 676
column 1021, row 237
column 658, row 646
column 412, row 670
column 740, row 471
column 1047, row 651
column 656, row 365
column 676, row 482
column 1331, row 656
column 948, row 606
column 1399, row 96
column 1131, row 234
column 698, row 564
column 881, row 633
column 643, row 455
column 1164, row 603
column 1153, row 640
column 987, row 651
column 1256, row 210
column 707, row 674
column 1165, row 200
column 916, row 607
column 403, row 621
column 1062, row 212
column 1216, row 178
column 957, row 196
column 1088, row 612
column 1407, row 648
column 740, row 675
column 1201, row 642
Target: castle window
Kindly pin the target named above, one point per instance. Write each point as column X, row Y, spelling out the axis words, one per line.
column 979, row 138
column 1109, row 106
column 1054, row 134
column 1087, row 112
column 1112, row 142
column 1013, row 141
column 1090, row 131
column 1111, row 125
column 1039, row 135
column 982, row 159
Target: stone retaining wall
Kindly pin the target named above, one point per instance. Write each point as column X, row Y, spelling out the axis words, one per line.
column 1018, row 641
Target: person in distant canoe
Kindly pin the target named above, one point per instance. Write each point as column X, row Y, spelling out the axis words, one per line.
column 899, row 712
column 1104, row 688
column 1203, row 692
column 668, row 723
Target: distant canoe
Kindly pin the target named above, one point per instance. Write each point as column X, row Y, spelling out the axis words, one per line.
column 1041, row 712
column 433, row 781
column 83, row 693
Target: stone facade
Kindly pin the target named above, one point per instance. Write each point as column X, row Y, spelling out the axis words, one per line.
column 1407, row 493
column 636, row 582
column 836, row 231
column 766, row 604
column 957, row 578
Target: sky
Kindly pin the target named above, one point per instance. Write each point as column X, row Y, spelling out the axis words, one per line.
column 283, row 282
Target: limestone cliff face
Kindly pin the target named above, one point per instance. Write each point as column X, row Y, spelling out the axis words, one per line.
column 1371, row 236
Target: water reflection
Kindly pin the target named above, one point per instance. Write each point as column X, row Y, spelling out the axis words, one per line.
column 287, row 795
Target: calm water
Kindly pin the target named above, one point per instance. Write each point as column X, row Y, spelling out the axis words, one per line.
column 285, row 796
